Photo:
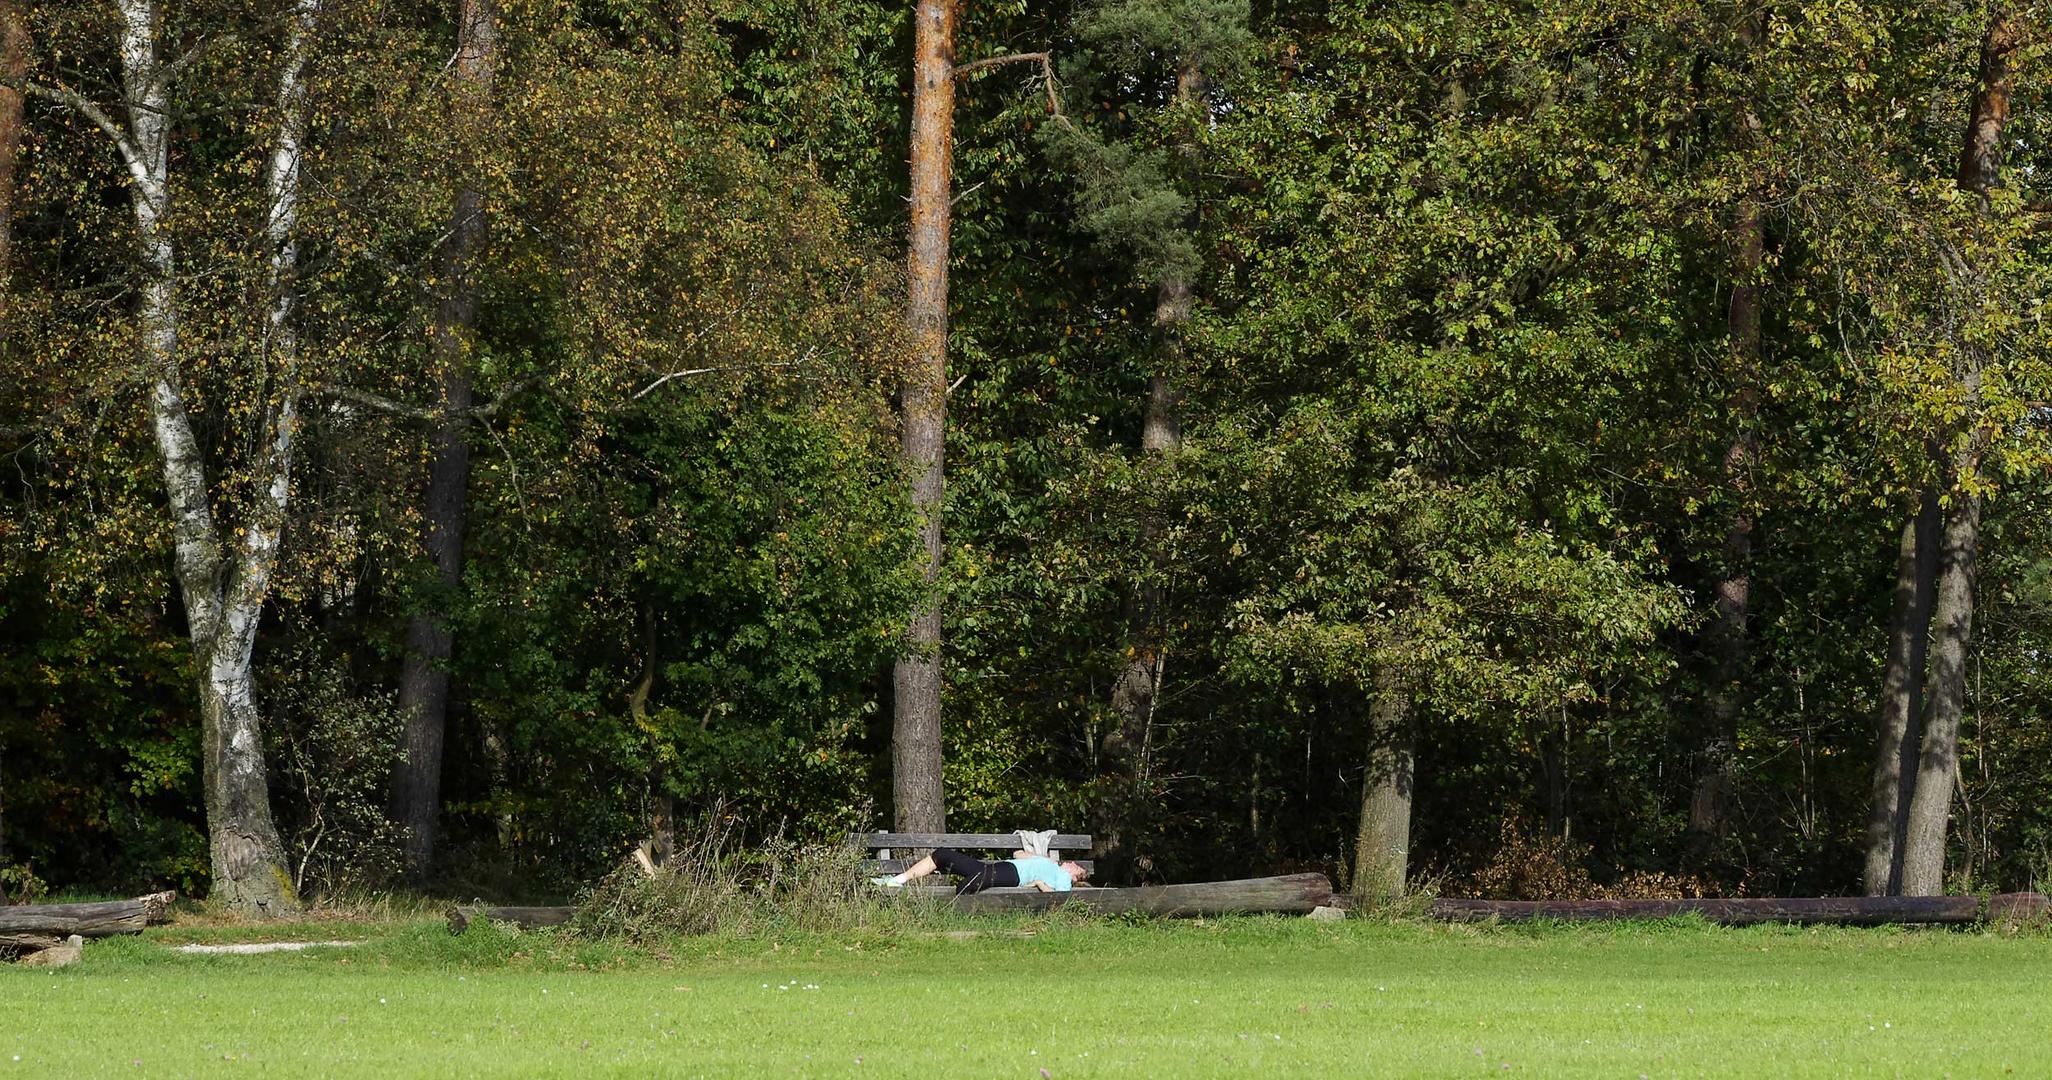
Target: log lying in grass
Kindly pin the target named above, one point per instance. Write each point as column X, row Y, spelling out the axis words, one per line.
column 1743, row 911
column 31, row 928
column 2016, row 907
column 526, row 918
column 62, row 920
column 1292, row 894
column 157, row 906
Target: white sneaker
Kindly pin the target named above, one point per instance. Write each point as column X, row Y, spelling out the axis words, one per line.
column 884, row 882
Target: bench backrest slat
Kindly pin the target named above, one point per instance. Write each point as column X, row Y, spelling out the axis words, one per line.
column 1005, row 841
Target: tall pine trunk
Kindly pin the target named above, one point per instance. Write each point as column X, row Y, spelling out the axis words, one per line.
column 917, row 801
column 1899, row 727
column 424, row 675
column 14, row 66
column 13, row 69
column 1382, row 845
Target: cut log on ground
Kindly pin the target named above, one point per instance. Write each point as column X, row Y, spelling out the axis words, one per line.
column 2018, row 907
column 86, row 920
column 1294, row 894
column 1743, row 911
column 526, row 918
column 157, row 907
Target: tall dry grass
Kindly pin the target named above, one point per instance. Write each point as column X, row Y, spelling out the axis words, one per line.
column 715, row 884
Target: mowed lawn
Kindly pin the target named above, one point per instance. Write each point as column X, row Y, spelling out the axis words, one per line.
column 1222, row 998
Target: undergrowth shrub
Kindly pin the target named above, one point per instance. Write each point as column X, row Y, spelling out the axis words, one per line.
column 334, row 747
column 1531, row 863
column 20, row 885
column 713, row 884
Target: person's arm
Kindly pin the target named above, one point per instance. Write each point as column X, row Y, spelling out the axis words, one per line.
column 1043, row 886
column 1022, row 853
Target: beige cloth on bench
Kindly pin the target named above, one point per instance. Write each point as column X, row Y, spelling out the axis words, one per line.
column 1035, row 843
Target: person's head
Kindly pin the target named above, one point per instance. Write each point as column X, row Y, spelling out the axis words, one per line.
column 1075, row 870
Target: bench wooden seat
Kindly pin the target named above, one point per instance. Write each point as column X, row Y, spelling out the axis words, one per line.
column 890, row 854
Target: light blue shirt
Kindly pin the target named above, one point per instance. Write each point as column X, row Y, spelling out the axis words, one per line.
column 1035, row 868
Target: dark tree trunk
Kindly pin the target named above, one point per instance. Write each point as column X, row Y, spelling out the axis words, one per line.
column 1124, row 766
column 1717, row 758
column 1922, row 849
column 1900, row 723
column 1382, row 846
column 14, row 66
column 662, row 828
column 1980, row 156
column 1952, row 623
column 424, row 676
column 917, row 801
column 1124, row 753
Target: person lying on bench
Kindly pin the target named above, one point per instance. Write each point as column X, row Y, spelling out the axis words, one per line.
column 1023, row 868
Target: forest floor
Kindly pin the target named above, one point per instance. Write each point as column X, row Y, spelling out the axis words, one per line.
column 1053, row 998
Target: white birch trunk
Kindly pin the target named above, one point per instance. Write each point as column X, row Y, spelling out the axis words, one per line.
column 223, row 604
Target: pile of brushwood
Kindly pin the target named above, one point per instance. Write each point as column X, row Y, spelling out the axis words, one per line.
column 712, row 884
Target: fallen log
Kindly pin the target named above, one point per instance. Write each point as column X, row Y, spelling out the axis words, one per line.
column 1294, row 894
column 526, row 918
column 157, row 906
column 86, row 920
column 2018, row 907
column 1729, row 911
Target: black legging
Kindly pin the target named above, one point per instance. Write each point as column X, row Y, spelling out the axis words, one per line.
column 976, row 874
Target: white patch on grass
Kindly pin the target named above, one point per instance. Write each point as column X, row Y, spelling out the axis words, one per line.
column 251, row 947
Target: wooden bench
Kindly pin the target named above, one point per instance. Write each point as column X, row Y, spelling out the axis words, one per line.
column 895, row 852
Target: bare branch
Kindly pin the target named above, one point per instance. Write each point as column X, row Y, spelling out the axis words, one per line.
column 374, row 401
column 85, row 107
column 687, row 372
column 1047, row 75
column 1043, row 59
column 380, row 403
column 966, row 192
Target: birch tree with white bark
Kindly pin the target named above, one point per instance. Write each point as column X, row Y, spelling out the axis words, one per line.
column 223, row 567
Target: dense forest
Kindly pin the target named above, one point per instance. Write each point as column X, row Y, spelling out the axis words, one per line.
column 1524, row 449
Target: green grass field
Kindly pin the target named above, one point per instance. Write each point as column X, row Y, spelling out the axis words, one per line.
column 1063, row 999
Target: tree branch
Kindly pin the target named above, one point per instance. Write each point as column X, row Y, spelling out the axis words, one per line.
column 380, row 403
column 1046, row 62
column 1043, row 59
column 85, row 107
column 650, row 388
column 167, row 73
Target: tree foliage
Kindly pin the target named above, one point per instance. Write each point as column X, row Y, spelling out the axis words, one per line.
column 1455, row 397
